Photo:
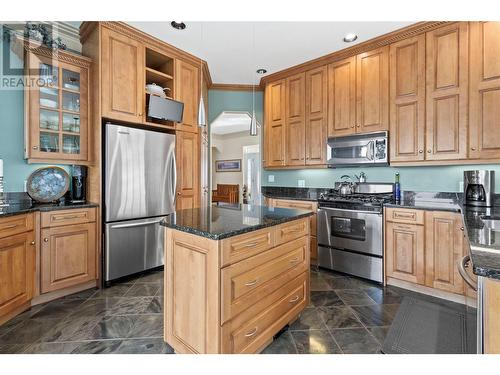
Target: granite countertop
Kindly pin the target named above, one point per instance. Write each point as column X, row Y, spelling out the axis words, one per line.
column 428, row 201
column 19, row 203
column 292, row 193
column 222, row 222
column 484, row 241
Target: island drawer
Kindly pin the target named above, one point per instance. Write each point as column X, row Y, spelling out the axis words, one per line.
column 252, row 279
column 68, row 217
column 289, row 231
column 301, row 205
column 404, row 215
column 246, row 245
column 252, row 330
column 17, row 224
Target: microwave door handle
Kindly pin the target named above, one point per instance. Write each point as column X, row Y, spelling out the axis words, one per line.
column 370, row 152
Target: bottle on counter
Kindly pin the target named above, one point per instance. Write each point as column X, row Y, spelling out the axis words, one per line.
column 397, row 188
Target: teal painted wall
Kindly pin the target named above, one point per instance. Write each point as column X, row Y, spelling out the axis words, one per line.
column 16, row 170
column 438, row 178
column 222, row 100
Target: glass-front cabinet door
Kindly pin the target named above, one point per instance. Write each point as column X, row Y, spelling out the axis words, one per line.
column 58, row 111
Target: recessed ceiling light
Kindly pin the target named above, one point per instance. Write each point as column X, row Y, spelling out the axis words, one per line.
column 351, row 37
column 178, row 25
column 261, row 71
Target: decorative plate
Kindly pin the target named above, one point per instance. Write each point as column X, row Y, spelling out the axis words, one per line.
column 48, row 184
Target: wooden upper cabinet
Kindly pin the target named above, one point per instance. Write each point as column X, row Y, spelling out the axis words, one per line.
column 187, row 91
column 122, row 77
column 484, row 102
column 316, row 115
column 444, row 249
column 447, row 77
column 188, row 170
column 372, row 90
column 295, row 120
column 404, row 252
column 342, row 97
column 275, row 124
column 407, row 99
column 57, row 121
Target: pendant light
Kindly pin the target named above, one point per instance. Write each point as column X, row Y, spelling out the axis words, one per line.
column 253, row 122
column 202, row 116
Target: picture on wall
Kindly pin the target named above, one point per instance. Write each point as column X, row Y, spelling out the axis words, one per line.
column 228, row 165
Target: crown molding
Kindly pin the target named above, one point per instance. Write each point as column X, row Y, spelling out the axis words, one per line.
column 234, row 87
column 377, row 42
column 131, row 32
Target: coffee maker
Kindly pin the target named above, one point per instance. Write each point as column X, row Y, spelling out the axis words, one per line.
column 78, row 184
column 479, row 187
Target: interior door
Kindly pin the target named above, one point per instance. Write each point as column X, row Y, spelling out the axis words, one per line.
column 342, row 97
column 446, row 92
column 372, row 90
column 407, row 104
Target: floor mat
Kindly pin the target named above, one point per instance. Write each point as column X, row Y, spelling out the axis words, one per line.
column 422, row 327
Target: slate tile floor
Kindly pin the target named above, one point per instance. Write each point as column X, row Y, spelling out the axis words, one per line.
column 346, row 315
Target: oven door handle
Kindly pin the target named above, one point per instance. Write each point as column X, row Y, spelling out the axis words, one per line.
column 345, row 210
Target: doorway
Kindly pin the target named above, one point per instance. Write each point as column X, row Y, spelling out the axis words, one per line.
column 234, row 160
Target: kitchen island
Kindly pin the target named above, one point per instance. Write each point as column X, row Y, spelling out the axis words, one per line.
column 235, row 276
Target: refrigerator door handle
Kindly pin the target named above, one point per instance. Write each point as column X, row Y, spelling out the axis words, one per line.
column 174, row 178
column 132, row 225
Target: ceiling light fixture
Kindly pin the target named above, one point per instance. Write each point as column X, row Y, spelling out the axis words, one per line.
column 351, row 37
column 261, row 71
column 178, row 25
column 253, row 121
column 202, row 115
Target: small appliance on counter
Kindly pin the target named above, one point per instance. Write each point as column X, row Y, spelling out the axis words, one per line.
column 78, row 184
column 479, row 188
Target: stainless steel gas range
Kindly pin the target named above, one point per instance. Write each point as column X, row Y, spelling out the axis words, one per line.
column 350, row 230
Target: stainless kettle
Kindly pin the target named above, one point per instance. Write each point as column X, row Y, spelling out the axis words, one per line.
column 346, row 187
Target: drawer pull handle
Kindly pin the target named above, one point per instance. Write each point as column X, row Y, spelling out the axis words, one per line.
column 66, row 217
column 292, row 230
column 252, row 283
column 251, row 244
column 252, row 332
column 294, row 260
column 9, row 226
column 404, row 216
column 294, row 299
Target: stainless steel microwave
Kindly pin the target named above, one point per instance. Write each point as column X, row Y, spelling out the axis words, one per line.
column 360, row 149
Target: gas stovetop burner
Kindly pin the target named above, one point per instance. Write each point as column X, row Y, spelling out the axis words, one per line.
column 356, row 200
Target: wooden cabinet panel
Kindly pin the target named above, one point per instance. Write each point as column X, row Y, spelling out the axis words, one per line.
column 237, row 248
column 17, row 273
column 446, row 77
column 372, row 90
column 274, row 132
column 67, row 217
column 484, row 108
column 407, row 104
column 316, row 115
column 188, row 170
column 295, row 120
column 187, row 91
column 404, row 251
column 68, row 256
column 10, row 226
column 444, row 248
column 122, row 77
column 491, row 320
column 292, row 230
column 404, row 215
column 342, row 97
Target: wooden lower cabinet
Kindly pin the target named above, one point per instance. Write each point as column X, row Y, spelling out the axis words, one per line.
column 302, row 205
column 425, row 253
column 17, row 273
column 68, row 256
column 238, row 304
column 491, row 316
column 404, row 252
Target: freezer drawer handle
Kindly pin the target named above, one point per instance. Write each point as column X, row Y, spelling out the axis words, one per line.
column 135, row 224
column 462, row 265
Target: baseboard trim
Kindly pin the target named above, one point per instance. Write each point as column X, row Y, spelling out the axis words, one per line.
column 47, row 297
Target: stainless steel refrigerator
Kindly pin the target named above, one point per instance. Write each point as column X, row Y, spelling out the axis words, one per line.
column 140, row 183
